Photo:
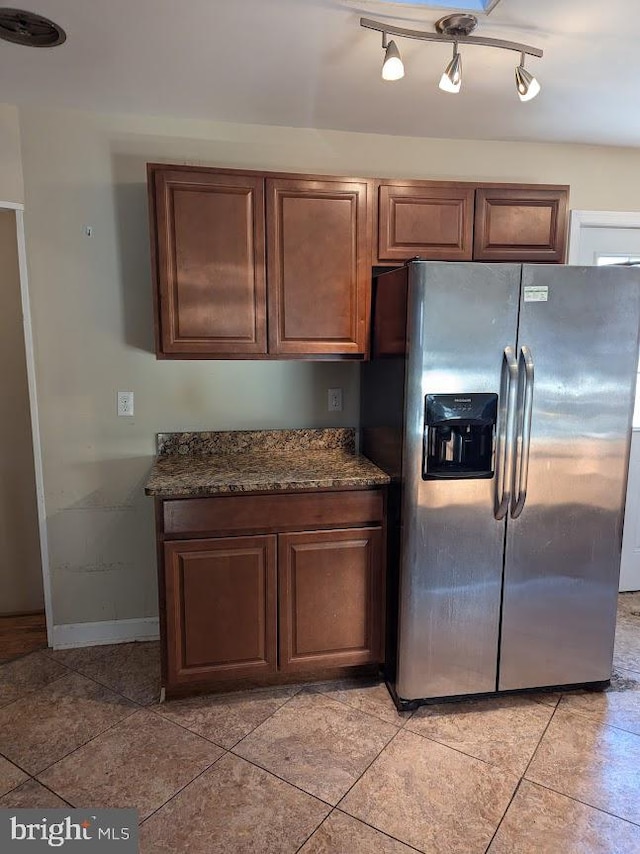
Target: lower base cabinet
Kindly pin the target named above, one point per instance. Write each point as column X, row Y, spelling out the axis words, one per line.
column 255, row 608
column 330, row 598
column 222, row 608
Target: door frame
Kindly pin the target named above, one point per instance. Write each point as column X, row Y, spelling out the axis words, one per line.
column 597, row 219
column 33, row 409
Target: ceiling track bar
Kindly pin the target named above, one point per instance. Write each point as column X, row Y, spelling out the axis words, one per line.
column 391, row 30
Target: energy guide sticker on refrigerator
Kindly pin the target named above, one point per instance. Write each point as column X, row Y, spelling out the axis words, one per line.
column 502, row 410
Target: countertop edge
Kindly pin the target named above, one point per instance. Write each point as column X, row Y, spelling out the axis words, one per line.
column 263, row 488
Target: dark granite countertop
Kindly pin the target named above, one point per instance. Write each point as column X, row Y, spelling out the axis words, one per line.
column 195, row 464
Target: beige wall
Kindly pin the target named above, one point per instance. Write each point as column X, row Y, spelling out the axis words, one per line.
column 93, row 318
column 20, row 570
column 11, row 189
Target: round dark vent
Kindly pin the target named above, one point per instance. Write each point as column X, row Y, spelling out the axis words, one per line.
column 26, row 28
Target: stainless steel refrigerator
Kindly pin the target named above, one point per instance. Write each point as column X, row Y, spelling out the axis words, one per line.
column 500, row 397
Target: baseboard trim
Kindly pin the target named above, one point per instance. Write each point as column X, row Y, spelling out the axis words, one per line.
column 104, row 632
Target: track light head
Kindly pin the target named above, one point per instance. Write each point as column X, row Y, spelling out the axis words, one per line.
column 526, row 84
column 451, row 80
column 392, row 67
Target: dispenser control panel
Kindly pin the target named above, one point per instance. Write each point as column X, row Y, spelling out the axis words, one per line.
column 459, row 436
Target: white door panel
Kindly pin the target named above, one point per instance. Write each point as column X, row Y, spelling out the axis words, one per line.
column 589, row 244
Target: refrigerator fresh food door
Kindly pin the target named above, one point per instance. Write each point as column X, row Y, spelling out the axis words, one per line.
column 577, row 350
column 461, row 318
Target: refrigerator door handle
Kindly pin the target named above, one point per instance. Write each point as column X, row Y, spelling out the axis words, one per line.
column 525, row 411
column 506, row 436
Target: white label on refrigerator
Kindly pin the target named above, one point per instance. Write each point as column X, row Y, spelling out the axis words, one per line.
column 536, row 293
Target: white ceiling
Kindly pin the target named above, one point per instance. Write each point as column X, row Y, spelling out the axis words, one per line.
column 308, row 63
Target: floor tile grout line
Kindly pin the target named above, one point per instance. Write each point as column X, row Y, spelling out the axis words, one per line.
column 522, row 776
column 366, row 823
column 353, row 709
column 462, row 752
column 377, row 756
column 373, row 714
column 626, row 670
column 53, row 792
column 586, row 716
column 315, row 830
column 84, row 743
column 32, row 691
column 537, row 747
column 578, row 801
column 109, row 687
column 232, row 750
column 278, row 777
column 24, row 770
column 377, row 829
column 589, row 716
column 182, row 788
column 93, row 678
column 17, row 785
column 257, row 764
column 502, row 817
column 186, row 729
column 43, row 649
column 217, row 743
column 77, row 673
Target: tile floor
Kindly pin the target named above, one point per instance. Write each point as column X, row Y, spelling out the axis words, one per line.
column 326, row 769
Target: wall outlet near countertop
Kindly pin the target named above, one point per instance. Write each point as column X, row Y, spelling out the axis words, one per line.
column 125, row 403
column 334, row 400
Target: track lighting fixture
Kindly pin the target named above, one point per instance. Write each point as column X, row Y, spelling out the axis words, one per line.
column 451, row 80
column 526, row 84
column 453, row 29
column 392, row 67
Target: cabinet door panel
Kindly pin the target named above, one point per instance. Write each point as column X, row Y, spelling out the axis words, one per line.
column 317, row 237
column 330, row 594
column 525, row 224
column 434, row 223
column 221, row 608
column 211, row 267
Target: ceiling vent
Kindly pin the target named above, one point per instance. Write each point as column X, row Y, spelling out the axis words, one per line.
column 27, row 28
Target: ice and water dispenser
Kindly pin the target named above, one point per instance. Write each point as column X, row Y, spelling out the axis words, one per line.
column 459, row 436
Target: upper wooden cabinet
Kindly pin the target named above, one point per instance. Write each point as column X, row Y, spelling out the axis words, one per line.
column 213, row 298
column 252, row 265
column 317, row 269
column 520, row 224
column 426, row 220
column 210, row 257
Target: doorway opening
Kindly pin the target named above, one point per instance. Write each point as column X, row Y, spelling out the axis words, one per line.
column 24, row 589
column 603, row 238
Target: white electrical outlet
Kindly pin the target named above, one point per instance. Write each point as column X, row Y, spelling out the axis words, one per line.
column 125, row 403
column 334, row 400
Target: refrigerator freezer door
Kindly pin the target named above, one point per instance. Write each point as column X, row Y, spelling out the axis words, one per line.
column 461, row 318
column 563, row 549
